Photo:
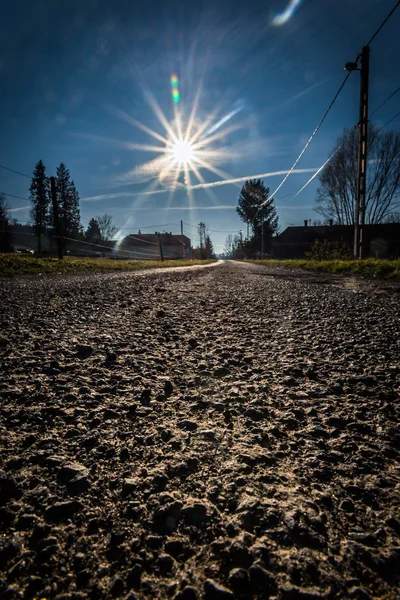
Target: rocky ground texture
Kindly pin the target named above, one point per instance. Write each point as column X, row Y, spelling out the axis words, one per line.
column 230, row 432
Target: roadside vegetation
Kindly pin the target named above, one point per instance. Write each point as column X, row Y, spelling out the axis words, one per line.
column 15, row 264
column 369, row 267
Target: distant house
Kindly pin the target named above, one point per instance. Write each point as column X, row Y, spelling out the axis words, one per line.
column 380, row 240
column 147, row 245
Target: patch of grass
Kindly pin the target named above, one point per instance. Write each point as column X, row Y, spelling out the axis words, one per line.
column 369, row 267
column 15, row 264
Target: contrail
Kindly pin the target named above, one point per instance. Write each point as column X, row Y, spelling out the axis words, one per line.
column 240, row 179
column 224, row 120
column 315, row 174
column 198, row 186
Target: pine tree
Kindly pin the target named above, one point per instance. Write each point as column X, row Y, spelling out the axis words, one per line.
column 208, row 247
column 257, row 210
column 68, row 204
column 39, row 194
column 93, row 232
column 6, row 236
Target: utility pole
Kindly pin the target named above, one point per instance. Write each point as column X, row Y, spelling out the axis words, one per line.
column 56, row 217
column 161, row 250
column 359, row 214
column 181, row 227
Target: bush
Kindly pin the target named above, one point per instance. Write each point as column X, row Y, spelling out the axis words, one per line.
column 329, row 251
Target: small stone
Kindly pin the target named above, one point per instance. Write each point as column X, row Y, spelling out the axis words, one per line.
column 168, row 387
column 78, row 485
column 337, row 389
column 188, row 593
column 61, row 511
column 347, row 506
column 134, row 576
column 239, row 580
column 359, row 594
column 167, row 517
column 261, row 578
column 166, row 563
column 294, row 593
column 129, row 486
column 221, row 372
column 8, row 488
column 175, row 547
column 71, row 470
column 124, row 454
column 8, row 550
column 111, row 357
column 83, row 350
column 116, row 587
column 255, row 414
column 215, row 591
column 187, row 425
column 195, row 514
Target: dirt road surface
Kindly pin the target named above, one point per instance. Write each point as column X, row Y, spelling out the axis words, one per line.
column 228, row 432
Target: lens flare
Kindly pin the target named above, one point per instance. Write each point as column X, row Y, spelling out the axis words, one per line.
column 282, row 18
column 175, row 88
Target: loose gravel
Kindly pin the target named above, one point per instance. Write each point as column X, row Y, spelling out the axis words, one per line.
column 222, row 433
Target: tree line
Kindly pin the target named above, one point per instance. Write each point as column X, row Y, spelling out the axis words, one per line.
column 42, row 218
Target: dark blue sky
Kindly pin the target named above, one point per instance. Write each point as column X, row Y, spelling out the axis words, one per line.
column 67, row 68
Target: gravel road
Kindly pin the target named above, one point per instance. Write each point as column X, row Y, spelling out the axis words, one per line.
column 229, row 432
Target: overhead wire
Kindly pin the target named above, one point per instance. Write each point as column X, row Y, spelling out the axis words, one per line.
column 384, row 102
column 12, row 196
column 311, row 137
column 328, row 110
column 17, row 172
column 383, row 23
column 387, row 123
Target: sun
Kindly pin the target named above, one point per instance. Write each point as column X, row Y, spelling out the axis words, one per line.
column 182, row 152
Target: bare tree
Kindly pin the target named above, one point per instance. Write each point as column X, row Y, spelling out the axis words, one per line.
column 336, row 195
column 228, row 248
column 392, row 218
column 107, row 229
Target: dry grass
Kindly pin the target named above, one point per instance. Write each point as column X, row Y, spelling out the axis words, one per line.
column 15, row 264
column 370, row 267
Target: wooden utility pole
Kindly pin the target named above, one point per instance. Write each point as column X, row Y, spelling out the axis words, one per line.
column 161, row 250
column 56, row 217
column 359, row 239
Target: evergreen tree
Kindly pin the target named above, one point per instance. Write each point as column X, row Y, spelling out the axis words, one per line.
column 39, row 194
column 257, row 210
column 93, row 232
column 6, row 236
column 208, row 247
column 68, row 204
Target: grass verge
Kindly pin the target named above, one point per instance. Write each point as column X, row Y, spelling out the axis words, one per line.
column 15, row 264
column 369, row 267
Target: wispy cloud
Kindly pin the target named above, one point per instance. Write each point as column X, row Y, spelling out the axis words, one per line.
column 18, row 209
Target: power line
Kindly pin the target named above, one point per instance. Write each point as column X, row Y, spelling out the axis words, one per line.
column 17, row 172
column 332, row 103
column 311, row 137
column 213, row 230
column 390, row 120
column 12, row 196
column 384, row 102
column 383, row 23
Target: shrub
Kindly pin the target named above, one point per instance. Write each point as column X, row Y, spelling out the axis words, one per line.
column 329, row 251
